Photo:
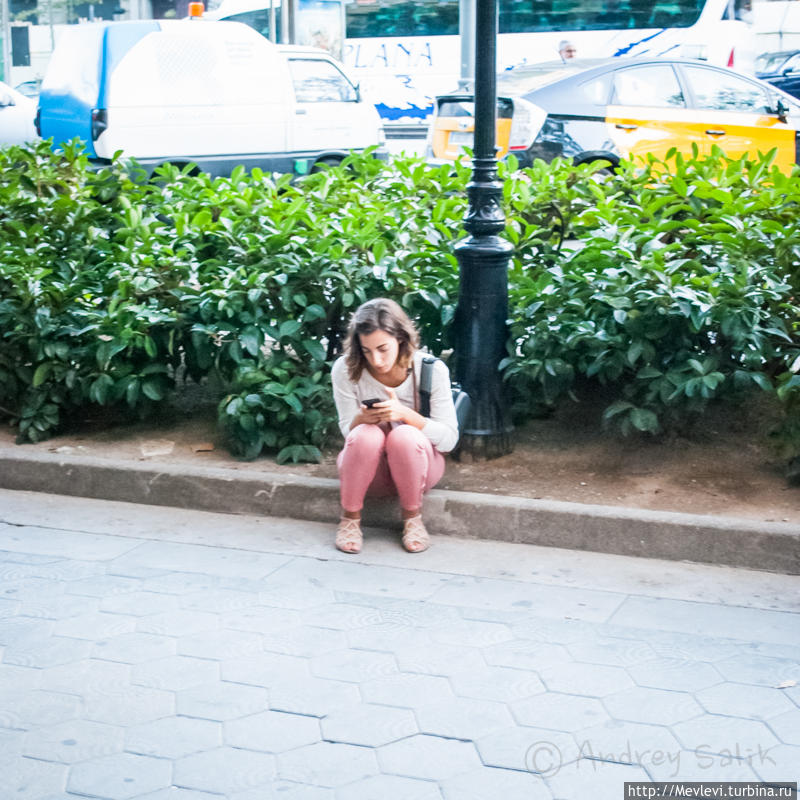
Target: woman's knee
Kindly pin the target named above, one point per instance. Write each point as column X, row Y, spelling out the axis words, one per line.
column 405, row 437
column 370, row 437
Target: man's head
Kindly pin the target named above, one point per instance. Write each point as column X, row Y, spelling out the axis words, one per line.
column 566, row 49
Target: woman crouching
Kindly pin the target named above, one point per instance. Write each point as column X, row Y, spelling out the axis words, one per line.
column 389, row 448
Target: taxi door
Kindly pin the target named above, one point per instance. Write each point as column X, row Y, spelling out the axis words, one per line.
column 648, row 112
column 737, row 114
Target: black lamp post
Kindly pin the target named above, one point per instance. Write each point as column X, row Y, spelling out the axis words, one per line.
column 480, row 322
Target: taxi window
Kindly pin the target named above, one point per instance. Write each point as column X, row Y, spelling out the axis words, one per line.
column 319, row 81
column 718, row 91
column 597, row 90
column 655, row 85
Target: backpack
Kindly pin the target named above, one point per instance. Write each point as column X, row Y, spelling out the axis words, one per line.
column 461, row 400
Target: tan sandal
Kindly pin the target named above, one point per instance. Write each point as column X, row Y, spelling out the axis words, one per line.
column 415, row 536
column 349, row 537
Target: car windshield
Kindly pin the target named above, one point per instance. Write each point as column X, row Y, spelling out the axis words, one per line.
column 771, row 62
column 529, row 77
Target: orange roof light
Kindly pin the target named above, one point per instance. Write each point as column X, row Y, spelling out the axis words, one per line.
column 196, row 10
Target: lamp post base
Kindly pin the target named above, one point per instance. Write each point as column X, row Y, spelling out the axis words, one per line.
column 472, row 447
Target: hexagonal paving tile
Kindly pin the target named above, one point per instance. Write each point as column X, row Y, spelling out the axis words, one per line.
column 29, row 779
column 759, row 670
column 559, row 712
column 725, row 735
column 314, row 696
column 174, row 793
column 69, row 742
column 173, row 737
column 406, row 690
column 353, row 665
column 95, row 626
column 340, row 616
column 87, row 675
column 224, row 770
column 175, row 673
column 179, row 623
column 787, row 727
column 305, row 640
column 525, row 654
column 389, row 787
column 120, row 776
column 272, row 731
column 220, row 644
column 127, row 705
column 221, row 700
column 591, row 680
column 434, row 658
column 47, row 651
column 218, row 600
column 588, row 778
column 502, row 684
column 285, row 790
column 369, row 725
column 675, row 674
column 140, row 604
column 134, row 648
column 327, row 764
column 492, row 782
column 261, row 619
column 778, row 764
column 687, row 765
column 755, row 702
column 19, row 679
column 463, row 718
column 535, row 750
column 35, row 707
column 625, row 742
column 265, row 669
column 656, row 706
column 612, row 652
column 471, row 633
column 428, row 757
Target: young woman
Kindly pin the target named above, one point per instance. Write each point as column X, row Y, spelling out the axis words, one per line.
column 390, row 448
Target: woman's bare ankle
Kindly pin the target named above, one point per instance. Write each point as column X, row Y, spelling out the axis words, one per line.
column 351, row 514
column 411, row 512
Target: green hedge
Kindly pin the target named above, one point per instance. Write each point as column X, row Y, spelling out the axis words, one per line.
column 674, row 284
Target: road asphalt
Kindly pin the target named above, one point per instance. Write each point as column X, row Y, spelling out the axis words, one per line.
column 156, row 653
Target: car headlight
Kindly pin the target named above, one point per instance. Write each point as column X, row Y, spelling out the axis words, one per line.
column 526, row 123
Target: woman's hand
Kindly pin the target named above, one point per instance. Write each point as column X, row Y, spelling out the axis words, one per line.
column 391, row 410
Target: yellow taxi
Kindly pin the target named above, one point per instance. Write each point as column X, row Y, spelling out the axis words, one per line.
column 625, row 108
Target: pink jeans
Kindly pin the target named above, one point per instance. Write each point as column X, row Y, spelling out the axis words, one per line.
column 402, row 462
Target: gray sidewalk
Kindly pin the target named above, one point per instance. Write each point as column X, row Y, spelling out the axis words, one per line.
column 145, row 648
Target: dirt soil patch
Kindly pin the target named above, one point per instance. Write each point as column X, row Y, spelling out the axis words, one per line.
column 722, row 466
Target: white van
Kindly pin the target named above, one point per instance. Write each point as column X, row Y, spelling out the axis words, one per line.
column 217, row 94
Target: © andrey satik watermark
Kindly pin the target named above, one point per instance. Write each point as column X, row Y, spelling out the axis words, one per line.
column 546, row 758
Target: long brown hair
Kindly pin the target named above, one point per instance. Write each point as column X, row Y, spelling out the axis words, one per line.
column 374, row 315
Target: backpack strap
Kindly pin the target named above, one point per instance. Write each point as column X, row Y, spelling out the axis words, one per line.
column 425, row 384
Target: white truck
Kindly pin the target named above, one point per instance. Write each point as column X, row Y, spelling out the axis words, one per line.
column 216, row 94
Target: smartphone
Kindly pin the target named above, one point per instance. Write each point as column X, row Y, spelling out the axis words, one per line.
column 371, row 402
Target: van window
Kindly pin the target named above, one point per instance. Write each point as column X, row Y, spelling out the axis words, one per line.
column 319, row 81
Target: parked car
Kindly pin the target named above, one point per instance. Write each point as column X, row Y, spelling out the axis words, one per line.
column 625, row 108
column 216, row 94
column 17, row 114
column 781, row 70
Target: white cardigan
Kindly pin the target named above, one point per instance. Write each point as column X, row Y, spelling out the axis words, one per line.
column 442, row 426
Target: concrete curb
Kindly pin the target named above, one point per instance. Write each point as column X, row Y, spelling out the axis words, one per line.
column 727, row 541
